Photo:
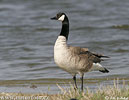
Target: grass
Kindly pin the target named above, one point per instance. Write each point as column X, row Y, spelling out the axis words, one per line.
column 108, row 92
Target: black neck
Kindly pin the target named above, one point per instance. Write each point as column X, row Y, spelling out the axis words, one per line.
column 65, row 28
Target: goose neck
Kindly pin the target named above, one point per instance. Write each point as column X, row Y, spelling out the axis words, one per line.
column 65, row 28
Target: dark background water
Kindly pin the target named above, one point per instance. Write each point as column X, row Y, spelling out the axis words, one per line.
column 27, row 37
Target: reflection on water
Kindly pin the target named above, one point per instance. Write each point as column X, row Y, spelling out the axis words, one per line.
column 121, row 27
column 27, row 36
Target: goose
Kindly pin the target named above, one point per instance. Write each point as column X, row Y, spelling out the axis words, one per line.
column 74, row 60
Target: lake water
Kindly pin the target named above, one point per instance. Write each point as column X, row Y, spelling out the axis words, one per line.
column 27, row 37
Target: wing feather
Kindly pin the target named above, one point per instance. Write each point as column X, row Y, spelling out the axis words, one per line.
column 85, row 53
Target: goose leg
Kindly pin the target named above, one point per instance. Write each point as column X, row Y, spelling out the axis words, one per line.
column 75, row 84
column 82, row 83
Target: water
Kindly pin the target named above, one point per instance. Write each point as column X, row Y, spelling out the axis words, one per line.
column 27, row 37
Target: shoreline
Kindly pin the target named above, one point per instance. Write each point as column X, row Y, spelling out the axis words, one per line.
column 107, row 92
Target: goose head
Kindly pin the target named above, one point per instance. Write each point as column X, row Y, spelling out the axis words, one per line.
column 60, row 16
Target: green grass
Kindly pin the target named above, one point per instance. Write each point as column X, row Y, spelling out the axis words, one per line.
column 108, row 92
column 102, row 93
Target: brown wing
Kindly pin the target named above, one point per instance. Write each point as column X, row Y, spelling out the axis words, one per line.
column 91, row 57
column 94, row 57
column 77, row 50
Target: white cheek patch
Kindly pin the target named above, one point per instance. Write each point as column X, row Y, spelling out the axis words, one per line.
column 62, row 18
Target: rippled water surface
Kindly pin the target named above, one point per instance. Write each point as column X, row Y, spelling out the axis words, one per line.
column 27, row 37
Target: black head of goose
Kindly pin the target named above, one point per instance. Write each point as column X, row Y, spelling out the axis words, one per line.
column 74, row 60
column 65, row 24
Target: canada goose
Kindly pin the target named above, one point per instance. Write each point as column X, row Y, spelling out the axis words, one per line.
column 74, row 60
